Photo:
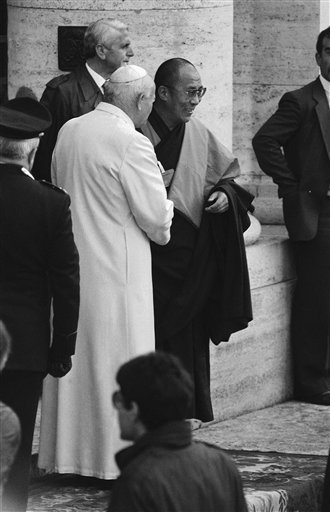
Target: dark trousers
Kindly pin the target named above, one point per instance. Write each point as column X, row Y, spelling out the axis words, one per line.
column 311, row 311
column 21, row 391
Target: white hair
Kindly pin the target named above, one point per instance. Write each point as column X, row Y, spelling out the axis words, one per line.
column 101, row 31
column 17, row 149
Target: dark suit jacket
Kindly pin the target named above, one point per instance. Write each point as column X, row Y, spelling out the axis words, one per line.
column 301, row 127
column 65, row 96
column 38, row 262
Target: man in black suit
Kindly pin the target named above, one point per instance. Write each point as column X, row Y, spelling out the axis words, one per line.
column 293, row 147
column 39, row 267
column 106, row 47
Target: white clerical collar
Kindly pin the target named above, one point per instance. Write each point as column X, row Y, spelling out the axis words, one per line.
column 98, row 79
column 326, row 87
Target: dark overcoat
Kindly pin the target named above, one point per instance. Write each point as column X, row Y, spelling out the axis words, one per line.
column 65, row 96
column 38, row 265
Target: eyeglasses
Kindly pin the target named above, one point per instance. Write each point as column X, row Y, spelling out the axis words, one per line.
column 191, row 93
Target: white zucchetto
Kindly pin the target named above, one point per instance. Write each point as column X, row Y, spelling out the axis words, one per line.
column 126, row 74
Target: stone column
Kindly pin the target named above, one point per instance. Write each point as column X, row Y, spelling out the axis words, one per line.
column 274, row 47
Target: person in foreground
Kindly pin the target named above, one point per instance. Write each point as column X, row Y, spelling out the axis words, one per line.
column 293, row 147
column 119, row 204
column 39, row 267
column 107, row 46
column 200, row 279
column 165, row 470
column 10, row 428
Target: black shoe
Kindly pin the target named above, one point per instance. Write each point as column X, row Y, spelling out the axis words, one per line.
column 320, row 399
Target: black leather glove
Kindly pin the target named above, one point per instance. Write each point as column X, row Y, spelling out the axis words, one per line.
column 60, row 367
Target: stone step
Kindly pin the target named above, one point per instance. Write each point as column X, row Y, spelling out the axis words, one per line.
column 280, row 451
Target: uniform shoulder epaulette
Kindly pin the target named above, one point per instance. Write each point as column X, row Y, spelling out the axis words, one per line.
column 58, row 80
column 54, row 187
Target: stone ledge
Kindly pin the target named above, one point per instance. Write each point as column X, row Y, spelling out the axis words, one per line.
column 269, row 259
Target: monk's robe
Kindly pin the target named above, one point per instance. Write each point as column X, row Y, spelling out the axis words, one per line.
column 200, row 278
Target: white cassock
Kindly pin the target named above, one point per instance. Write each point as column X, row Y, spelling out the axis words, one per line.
column 118, row 203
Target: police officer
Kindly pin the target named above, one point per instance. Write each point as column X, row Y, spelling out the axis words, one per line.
column 39, row 268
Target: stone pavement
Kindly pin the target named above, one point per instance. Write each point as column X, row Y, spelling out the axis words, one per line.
column 280, row 451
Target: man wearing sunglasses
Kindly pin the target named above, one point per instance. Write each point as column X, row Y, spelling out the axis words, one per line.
column 200, row 280
column 165, row 469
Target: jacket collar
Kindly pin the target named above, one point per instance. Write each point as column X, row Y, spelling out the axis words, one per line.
column 323, row 112
column 88, row 86
column 176, row 434
column 14, row 169
column 98, row 79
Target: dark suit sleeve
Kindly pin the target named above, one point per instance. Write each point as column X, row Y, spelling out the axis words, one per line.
column 64, row 279
column 272, row 137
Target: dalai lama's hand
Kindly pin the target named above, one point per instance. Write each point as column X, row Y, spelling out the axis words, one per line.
column 218, row 202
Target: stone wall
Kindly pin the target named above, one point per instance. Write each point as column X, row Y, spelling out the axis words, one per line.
column 254, row 369
column 274, row 47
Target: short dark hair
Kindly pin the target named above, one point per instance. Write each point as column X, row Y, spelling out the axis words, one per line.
column 5, row 344
column 319, row 43
column 168, row 72
column 160, row 386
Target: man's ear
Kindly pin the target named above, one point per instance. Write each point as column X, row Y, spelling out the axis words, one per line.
column 134, row 410
column 139, row 101
column 99, row 50
column 31, row 156
column 163, row 92
column 317, row 58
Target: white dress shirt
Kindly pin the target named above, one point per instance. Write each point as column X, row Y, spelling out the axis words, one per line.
column 98, row 79
column 326, row 87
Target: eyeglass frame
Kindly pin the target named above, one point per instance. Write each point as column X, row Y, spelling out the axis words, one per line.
column 191, row 94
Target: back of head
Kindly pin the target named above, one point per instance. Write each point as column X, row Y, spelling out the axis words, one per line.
column 22, row 121
column 168, row 72
column 99, row 32
column 124, row 88
column 160, row 386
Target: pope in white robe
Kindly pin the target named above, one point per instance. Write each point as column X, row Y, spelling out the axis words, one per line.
column 118, row 203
